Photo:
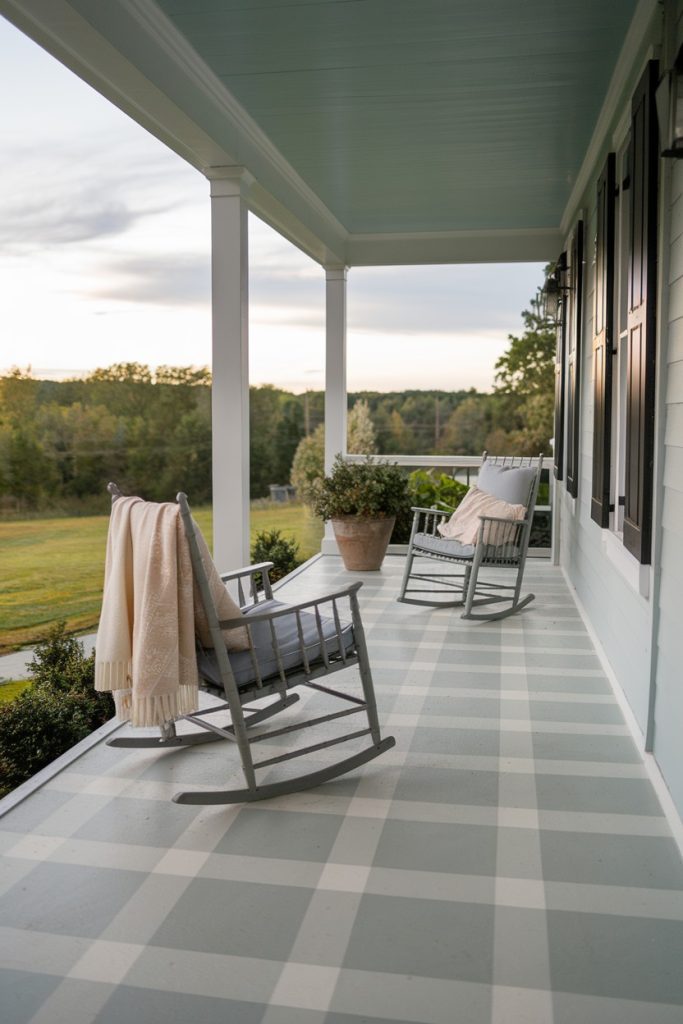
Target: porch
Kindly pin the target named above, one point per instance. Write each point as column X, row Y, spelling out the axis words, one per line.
column 508, row 861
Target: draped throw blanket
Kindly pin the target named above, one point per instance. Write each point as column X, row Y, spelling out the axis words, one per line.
column 145, row 650
column 464, row 524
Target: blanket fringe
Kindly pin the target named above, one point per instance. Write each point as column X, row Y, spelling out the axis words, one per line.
column 112, row 675
column 150, row 711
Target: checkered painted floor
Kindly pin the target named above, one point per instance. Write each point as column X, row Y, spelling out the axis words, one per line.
column 506, row 863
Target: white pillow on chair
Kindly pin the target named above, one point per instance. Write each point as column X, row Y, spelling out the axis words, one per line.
column 509, row 483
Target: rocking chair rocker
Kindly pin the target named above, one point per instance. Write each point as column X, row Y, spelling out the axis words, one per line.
column 290, row 646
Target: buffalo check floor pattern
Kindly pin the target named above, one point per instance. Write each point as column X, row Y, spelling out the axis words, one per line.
column 506, row 863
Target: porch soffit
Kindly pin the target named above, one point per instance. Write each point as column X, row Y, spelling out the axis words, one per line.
column 377, row 130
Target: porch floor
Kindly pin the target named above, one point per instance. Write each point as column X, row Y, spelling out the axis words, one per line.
column 508, row 862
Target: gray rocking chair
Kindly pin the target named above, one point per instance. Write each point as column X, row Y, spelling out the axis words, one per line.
column 501, row 544
column 291, row 645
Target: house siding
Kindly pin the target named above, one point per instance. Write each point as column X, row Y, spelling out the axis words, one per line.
column 668, row 707
column 624, row 620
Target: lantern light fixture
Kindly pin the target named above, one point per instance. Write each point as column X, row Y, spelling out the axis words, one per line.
column 554, row 289
column 669, row 98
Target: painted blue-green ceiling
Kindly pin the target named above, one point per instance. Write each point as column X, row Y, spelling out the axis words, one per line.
column 419, row 115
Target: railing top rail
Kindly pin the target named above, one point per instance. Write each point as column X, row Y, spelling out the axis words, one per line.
column 434, row 461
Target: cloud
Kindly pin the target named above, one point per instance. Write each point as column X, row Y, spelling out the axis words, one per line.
column 86, row 190
column 161, row 280
column 478, row 300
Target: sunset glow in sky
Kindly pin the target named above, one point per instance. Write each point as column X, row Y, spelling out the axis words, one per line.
column 105, row 248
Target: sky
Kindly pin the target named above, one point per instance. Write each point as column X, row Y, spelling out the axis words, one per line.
column 105, row 258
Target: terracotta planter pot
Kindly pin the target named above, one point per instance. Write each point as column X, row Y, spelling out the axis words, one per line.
column 362, row 543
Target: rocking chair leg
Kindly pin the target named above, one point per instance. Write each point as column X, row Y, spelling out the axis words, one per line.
column 406, row 574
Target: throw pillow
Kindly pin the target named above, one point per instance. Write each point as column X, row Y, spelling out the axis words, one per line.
column 464, row 524
column 509, row 483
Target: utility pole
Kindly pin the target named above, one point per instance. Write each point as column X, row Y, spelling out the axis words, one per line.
column 437, row 421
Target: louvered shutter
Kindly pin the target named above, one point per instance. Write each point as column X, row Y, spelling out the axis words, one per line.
column 603, row 342
column 640, row 372
column 558, row 449
column 574, row 317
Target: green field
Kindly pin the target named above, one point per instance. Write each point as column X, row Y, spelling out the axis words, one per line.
column 52, row 569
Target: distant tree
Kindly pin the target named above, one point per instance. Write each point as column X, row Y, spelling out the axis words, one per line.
column 361, row 436
column 525, row 371
column 467, row 427
column 308, row 465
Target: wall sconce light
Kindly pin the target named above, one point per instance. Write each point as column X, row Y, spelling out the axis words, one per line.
column 669, row 97
column 553, row 290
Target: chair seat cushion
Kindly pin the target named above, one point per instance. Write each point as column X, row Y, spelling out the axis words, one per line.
column 442, row 546
column 289, row 643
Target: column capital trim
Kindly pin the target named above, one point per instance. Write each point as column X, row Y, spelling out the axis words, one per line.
column 336, row 272
column 229, row 181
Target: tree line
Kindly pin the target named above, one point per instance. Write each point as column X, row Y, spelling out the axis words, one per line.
column 62, row 441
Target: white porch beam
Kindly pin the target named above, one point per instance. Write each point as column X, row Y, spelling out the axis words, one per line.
column 230, row 365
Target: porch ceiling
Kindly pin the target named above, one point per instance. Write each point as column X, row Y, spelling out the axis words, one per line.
column 361, row 117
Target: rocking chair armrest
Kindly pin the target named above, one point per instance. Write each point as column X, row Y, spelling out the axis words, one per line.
column 289, row 609
column 432, row 511
column 502, row 519
column 248, row 570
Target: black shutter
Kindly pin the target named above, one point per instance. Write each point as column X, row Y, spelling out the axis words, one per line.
column 558, row 449
column 640, row 371
column 603, row 343
column 574, row 293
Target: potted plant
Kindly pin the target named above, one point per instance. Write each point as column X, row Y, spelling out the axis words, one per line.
column 361, row 499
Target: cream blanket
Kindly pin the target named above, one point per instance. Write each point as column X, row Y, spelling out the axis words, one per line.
column 464, row 524
column 145, row 649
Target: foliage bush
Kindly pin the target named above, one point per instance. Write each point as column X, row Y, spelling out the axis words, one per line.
column 364, row 489
column 426, row 487
column 271, row 546
column 60, row 709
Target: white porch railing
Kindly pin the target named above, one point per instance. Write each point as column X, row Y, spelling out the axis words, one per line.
column 464, row 468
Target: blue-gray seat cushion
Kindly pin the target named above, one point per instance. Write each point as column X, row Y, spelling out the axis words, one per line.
column 442, row 546
column 288, row 641
column 509, row 483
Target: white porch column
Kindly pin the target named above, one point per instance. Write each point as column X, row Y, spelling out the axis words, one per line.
column 230, row 366
column 335, row 375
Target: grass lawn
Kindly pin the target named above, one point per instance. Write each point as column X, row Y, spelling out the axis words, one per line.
column 52, row 569
column 8, row 691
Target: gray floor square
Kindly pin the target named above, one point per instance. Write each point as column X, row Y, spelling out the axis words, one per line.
column 456, row 741
column 593, row 684
column 575, row 747
column 237, row 918
column 575, row 711
column 22, row 994
column 150, row 1006
column 622, row 957
column 422, row 937
column 611, row 796
column 470, row 707
column 448, row 786
column 68, row 899
column 434, row 846
column 30, row 814
column 290, row 835
column 138, row 823
column 650, row 862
